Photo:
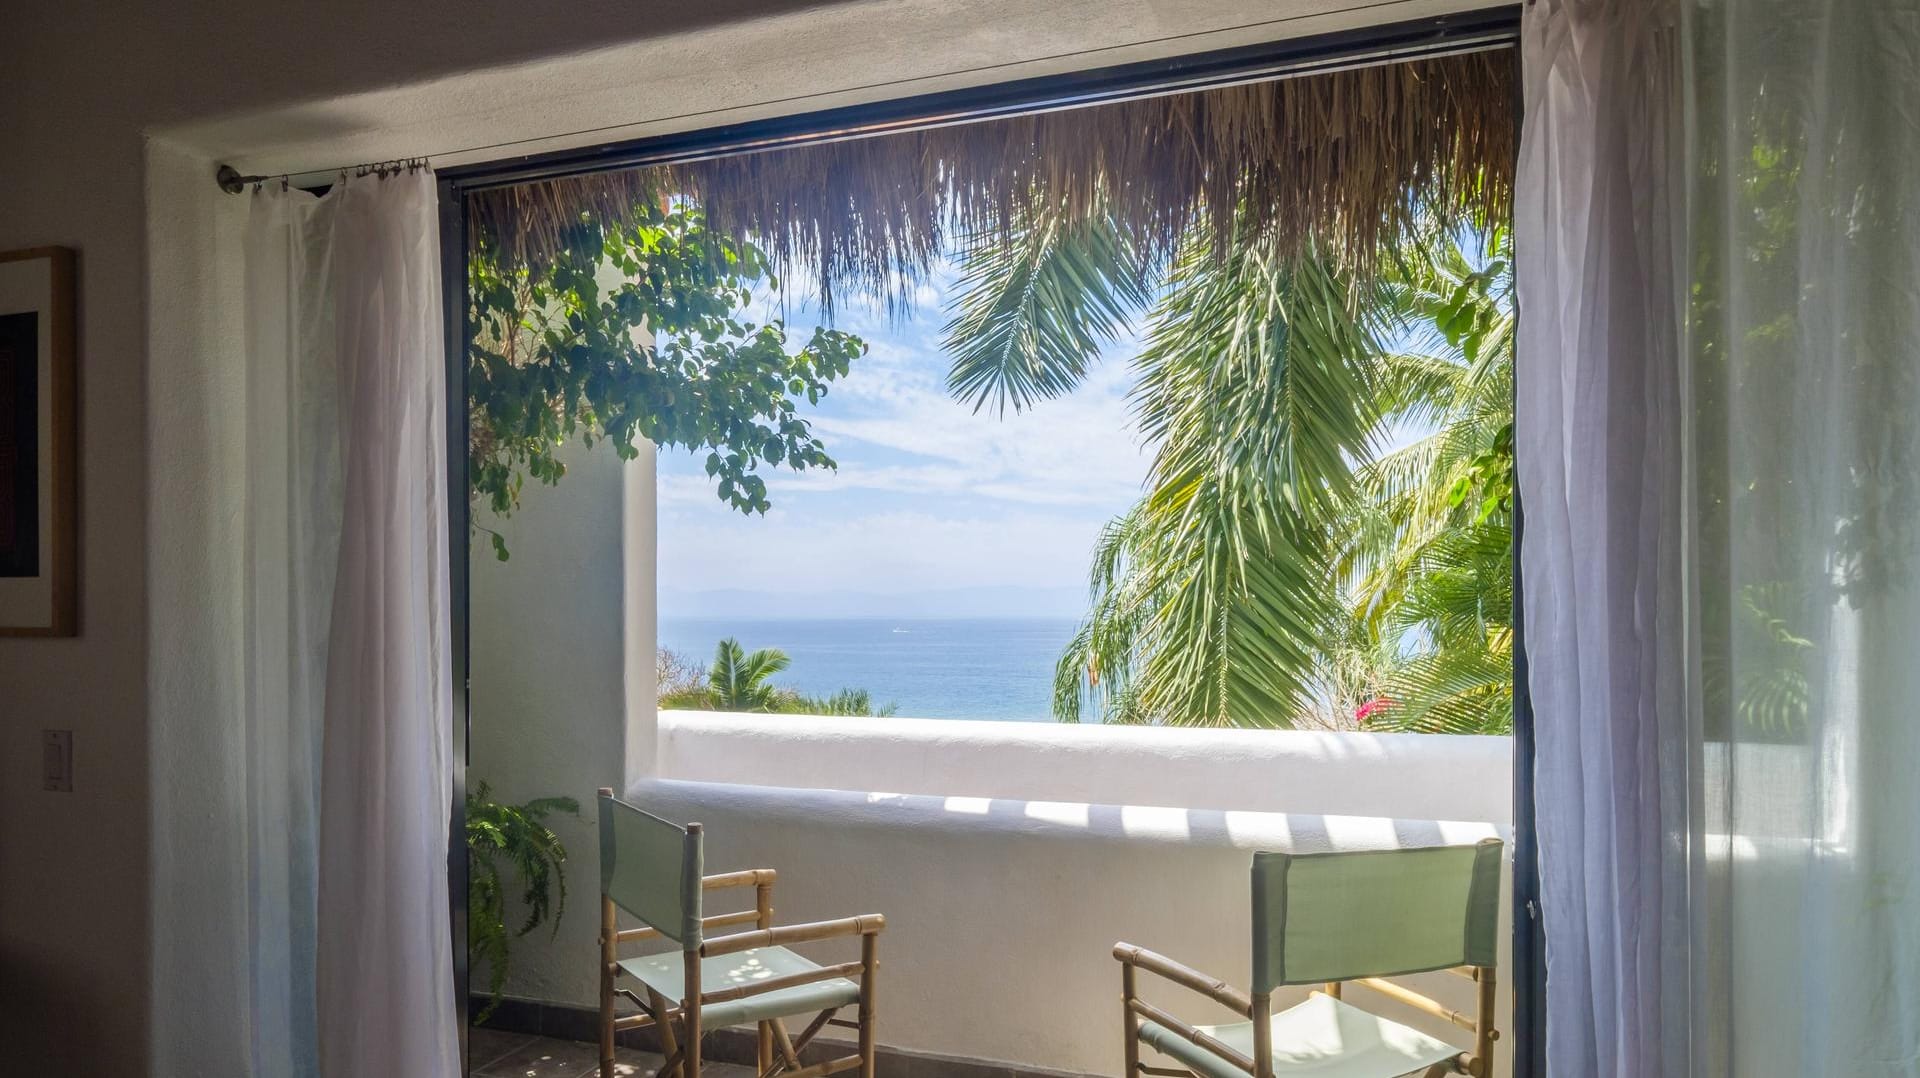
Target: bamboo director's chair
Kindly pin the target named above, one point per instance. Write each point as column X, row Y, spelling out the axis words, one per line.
column 653, row 870
column 1330, row 920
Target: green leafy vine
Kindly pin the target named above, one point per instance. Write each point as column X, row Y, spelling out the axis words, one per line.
column 639, row 331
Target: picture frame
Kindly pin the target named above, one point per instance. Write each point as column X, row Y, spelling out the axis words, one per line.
column 38, row 443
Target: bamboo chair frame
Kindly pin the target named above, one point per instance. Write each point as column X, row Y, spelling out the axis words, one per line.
column 1477, row 1063
column 777, row 1052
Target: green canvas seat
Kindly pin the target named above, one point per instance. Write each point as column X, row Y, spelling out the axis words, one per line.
column 1334, row 920
column 1322, row 1037
column 666, row 974
column 655, row 871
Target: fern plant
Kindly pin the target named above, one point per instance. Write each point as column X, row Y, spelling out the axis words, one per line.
column 516, row 838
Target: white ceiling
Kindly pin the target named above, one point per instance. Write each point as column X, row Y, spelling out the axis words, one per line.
column 749, row 67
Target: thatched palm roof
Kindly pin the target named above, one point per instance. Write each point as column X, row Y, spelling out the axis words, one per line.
column 1346, row 157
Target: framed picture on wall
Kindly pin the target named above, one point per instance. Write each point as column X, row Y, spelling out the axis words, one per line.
column 38, row 450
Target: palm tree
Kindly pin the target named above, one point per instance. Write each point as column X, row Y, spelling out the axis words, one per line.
column 739, row 681
column 1282, row 561
column 1429, row 567
column 1208, row 597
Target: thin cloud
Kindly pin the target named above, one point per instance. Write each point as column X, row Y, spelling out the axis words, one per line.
column 889, row 552
column 929, row 495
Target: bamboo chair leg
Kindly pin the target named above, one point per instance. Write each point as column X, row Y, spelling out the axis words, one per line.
column 1129, row 1021
column 785, row 1042
column 1263, row 1035
column 690, row 1014
column 869, row 963
column 813, row 1028
column 609, row 952
column 669, row 1042
column 1485, row 1034
column 763, row 919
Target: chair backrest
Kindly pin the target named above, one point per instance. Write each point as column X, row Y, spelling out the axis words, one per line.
column 1321, row 917
column 651, row 868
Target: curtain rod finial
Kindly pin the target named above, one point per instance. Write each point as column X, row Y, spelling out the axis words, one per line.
column 230, row 180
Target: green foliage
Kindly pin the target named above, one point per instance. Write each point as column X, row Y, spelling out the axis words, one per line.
column 1428, row 558
column 1456, row 606
column 1771, row 691
column 639, row 332
column 1036, row 306
column 1488, row 480
column 844, row 702
column 1281, row 567
column 1208, row 598
column 739, row 680
column 516, row 838
column 1796, row 532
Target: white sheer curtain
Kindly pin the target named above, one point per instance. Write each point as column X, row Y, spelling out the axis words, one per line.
column 1719, row 450
column 1596, row 428
column 348, row 696
column 1804, row 374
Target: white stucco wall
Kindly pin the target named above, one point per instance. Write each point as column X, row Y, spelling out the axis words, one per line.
column 121, row 901
column 1010, row 857
column 1405, row 775
column 1002, row 913
column 552, row 630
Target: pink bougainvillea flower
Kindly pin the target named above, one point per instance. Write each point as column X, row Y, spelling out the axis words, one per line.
column 1372, row 707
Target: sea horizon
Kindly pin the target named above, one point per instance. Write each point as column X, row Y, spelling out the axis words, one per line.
column 924, row 667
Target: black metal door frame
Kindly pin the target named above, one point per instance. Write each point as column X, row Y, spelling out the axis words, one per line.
column 1494, row 27
column 453, row 301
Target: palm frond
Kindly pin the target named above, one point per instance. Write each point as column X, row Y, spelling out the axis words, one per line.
column 740, row 680
column 1456, row 690
column 1037, row 304
column 1210, row 596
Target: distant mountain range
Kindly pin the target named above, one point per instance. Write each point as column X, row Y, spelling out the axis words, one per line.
column 988, row 602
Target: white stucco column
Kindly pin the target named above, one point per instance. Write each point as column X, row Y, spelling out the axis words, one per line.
column 562, row 671
column 640, row 579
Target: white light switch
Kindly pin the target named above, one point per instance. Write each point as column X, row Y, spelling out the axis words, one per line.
column 56, row 748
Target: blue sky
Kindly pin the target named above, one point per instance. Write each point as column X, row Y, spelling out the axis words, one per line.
column 934, row 510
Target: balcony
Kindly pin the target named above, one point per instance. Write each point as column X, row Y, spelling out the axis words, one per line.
column 1009, row 857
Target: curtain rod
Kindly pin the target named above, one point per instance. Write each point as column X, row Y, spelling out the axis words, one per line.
column 232, row 181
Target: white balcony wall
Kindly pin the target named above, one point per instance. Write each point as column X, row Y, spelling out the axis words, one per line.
column 1008, row 858
column 1412, row 776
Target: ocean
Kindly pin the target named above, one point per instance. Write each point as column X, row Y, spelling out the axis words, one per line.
column 956, row 668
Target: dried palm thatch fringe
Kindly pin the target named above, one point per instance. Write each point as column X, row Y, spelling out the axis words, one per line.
column 1345, row 157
